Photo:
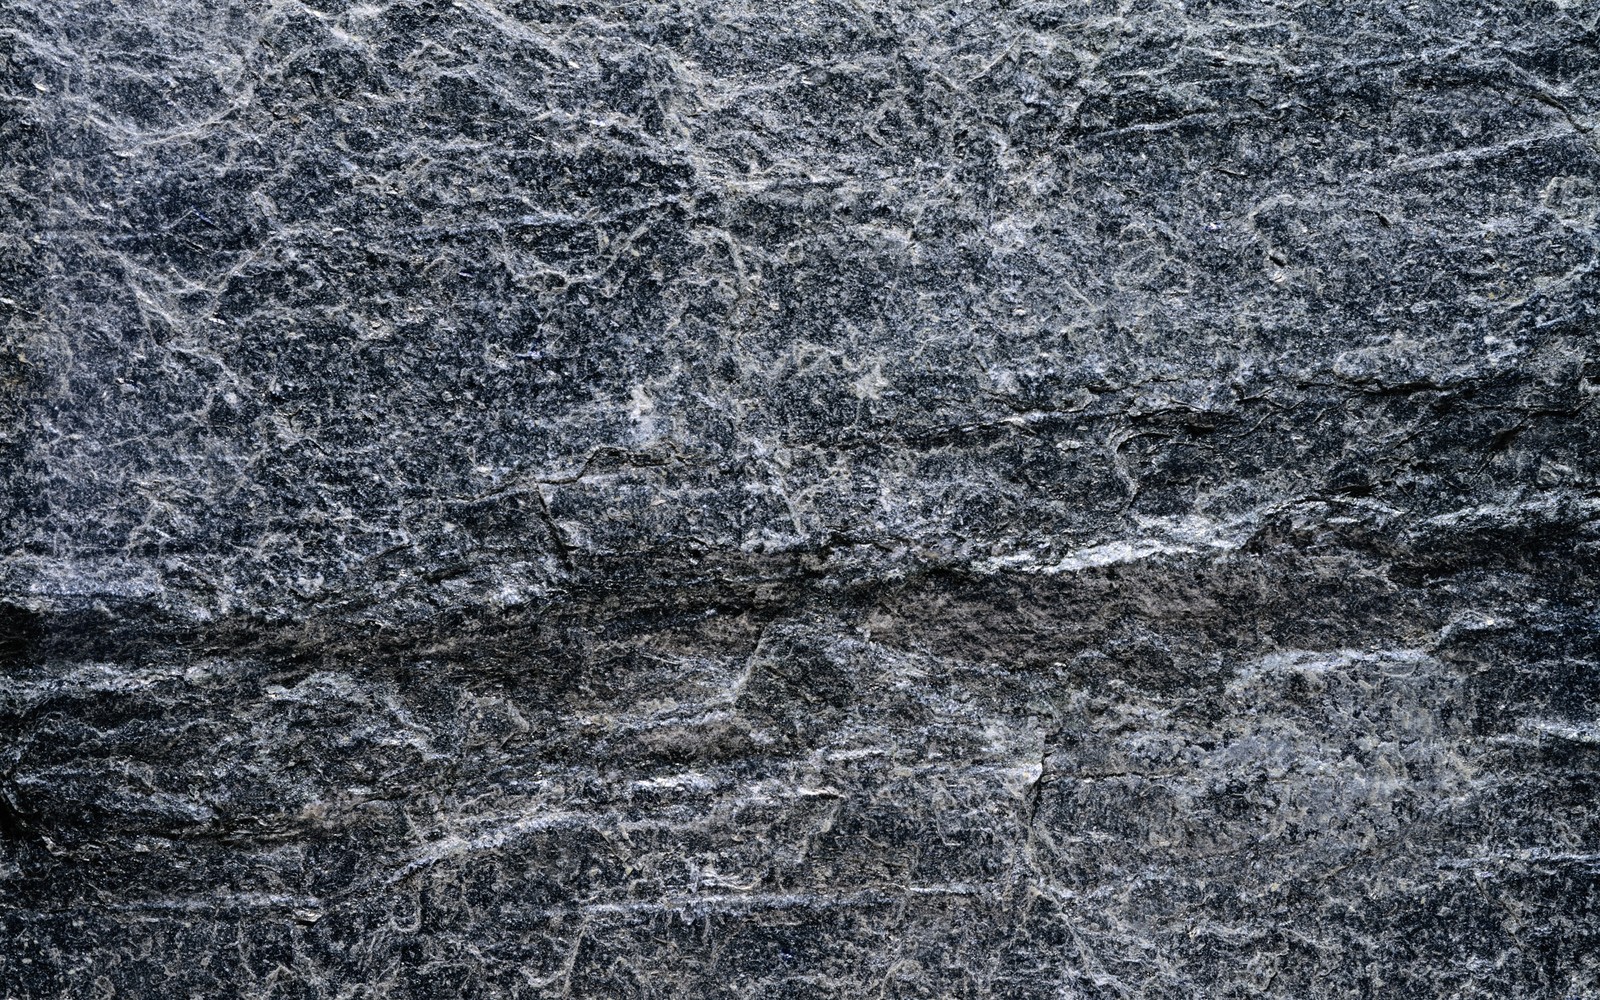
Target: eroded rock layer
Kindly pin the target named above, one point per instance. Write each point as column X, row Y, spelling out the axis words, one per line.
column 664, row 499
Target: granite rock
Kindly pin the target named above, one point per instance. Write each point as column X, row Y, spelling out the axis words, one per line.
column 827, row 499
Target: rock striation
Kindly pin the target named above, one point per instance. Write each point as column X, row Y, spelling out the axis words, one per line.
column 827, row 499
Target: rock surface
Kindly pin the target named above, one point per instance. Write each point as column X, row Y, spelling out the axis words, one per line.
column 662, row 499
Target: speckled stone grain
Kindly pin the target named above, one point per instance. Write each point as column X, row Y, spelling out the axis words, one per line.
column 1074, row 500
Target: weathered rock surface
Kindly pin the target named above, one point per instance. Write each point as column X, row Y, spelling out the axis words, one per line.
column 817, row 499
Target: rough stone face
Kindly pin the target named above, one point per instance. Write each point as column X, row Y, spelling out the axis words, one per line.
column 668, row 499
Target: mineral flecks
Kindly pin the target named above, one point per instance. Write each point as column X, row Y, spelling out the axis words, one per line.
column 654, row 500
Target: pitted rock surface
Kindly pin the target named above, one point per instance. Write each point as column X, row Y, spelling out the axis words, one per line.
column 821, row 499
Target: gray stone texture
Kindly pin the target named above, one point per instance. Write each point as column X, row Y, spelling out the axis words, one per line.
column 807, row 499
